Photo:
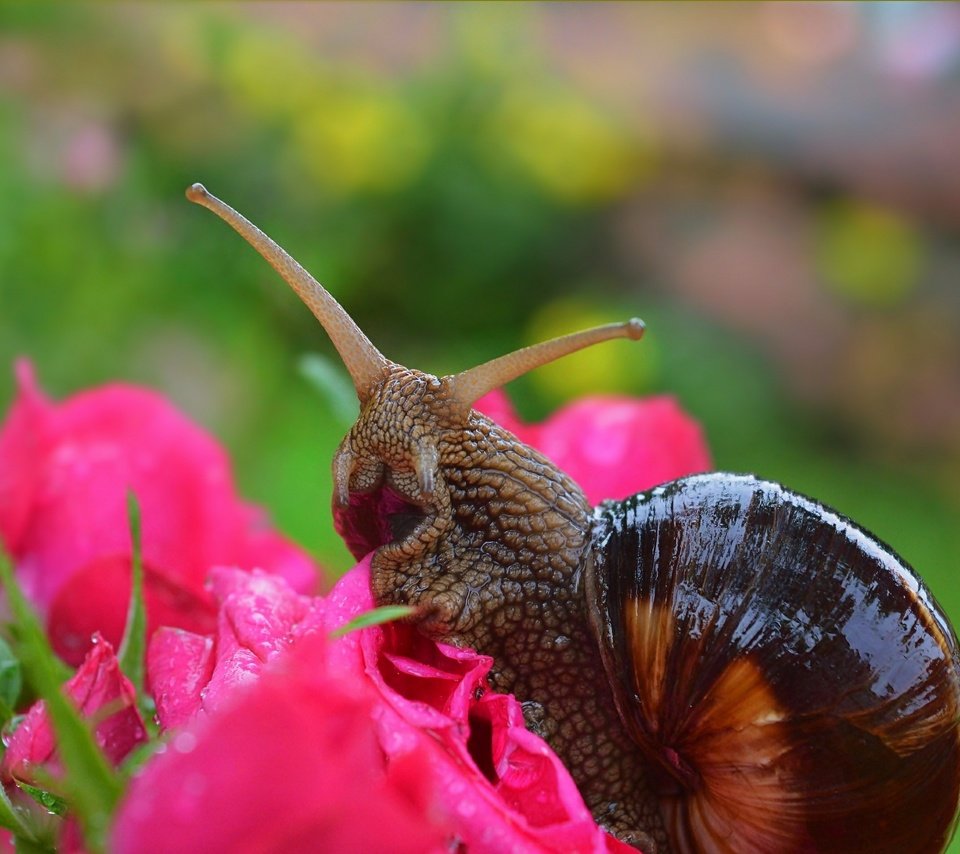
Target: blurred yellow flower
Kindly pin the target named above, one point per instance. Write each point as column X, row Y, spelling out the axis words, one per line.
column 349, row 132
column 868, row 254
column 574, row 150
column 607, row 368
column 271, row 76
column 362, row 141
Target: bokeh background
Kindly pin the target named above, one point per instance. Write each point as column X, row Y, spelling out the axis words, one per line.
column 774, row 187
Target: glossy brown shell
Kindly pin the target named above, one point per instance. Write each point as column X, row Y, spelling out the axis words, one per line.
column 792, row 681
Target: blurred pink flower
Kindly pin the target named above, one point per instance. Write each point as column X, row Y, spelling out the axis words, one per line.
column 613, row 447
column 102, row 694
column 64, row 473
column 91, row 158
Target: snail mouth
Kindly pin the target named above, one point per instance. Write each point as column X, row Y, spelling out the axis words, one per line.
column 376, row 518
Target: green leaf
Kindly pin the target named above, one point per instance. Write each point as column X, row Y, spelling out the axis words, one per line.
column 330, row 380
column 6, row 714
column 134, row 641
column 11, row 680
column 91, row 786
column 48, row 800
column 9, row 817
column 28, row 845
column 373, row 617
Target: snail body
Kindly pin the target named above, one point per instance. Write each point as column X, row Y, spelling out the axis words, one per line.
column 723, row 665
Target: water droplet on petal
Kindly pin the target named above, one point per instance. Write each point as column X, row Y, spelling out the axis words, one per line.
column 185, row 742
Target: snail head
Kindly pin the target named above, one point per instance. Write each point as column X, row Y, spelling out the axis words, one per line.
column 411, row 424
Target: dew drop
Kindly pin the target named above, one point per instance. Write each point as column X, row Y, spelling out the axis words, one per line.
column 185, row 742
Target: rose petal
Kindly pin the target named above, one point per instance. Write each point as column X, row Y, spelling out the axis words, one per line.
column 179, row 667
column 611, row 446
column 97, row 685
column 292, row 764
column 65, row 470
column 260, row 618
column 502, row 786
column 23, row 439
column 95, row 599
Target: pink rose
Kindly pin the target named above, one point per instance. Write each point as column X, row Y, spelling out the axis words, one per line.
column 613, row 447
column 291, row 763
column 496, row 786
column 102, row 694
column 501, row 785
column 64, row 473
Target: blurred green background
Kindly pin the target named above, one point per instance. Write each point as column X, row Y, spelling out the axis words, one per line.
column 775, row 188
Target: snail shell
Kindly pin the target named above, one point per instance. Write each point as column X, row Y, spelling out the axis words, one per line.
column 791, row 680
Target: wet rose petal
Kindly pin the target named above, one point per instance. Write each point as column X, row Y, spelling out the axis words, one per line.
column 499, row 786
column 98, row 687
column 502, row 786
column 179, row 665
column 260, row 617
column 291, row 764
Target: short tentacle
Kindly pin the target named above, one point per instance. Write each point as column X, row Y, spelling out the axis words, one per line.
column 342, row 469
column 425, row 460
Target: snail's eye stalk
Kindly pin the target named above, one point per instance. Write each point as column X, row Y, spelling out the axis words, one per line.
column 469, row 386
column 366, row 365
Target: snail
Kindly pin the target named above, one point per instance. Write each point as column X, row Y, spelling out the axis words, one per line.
column 723, row 665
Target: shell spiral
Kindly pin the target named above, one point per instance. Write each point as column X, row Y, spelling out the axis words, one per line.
column 792, row 682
